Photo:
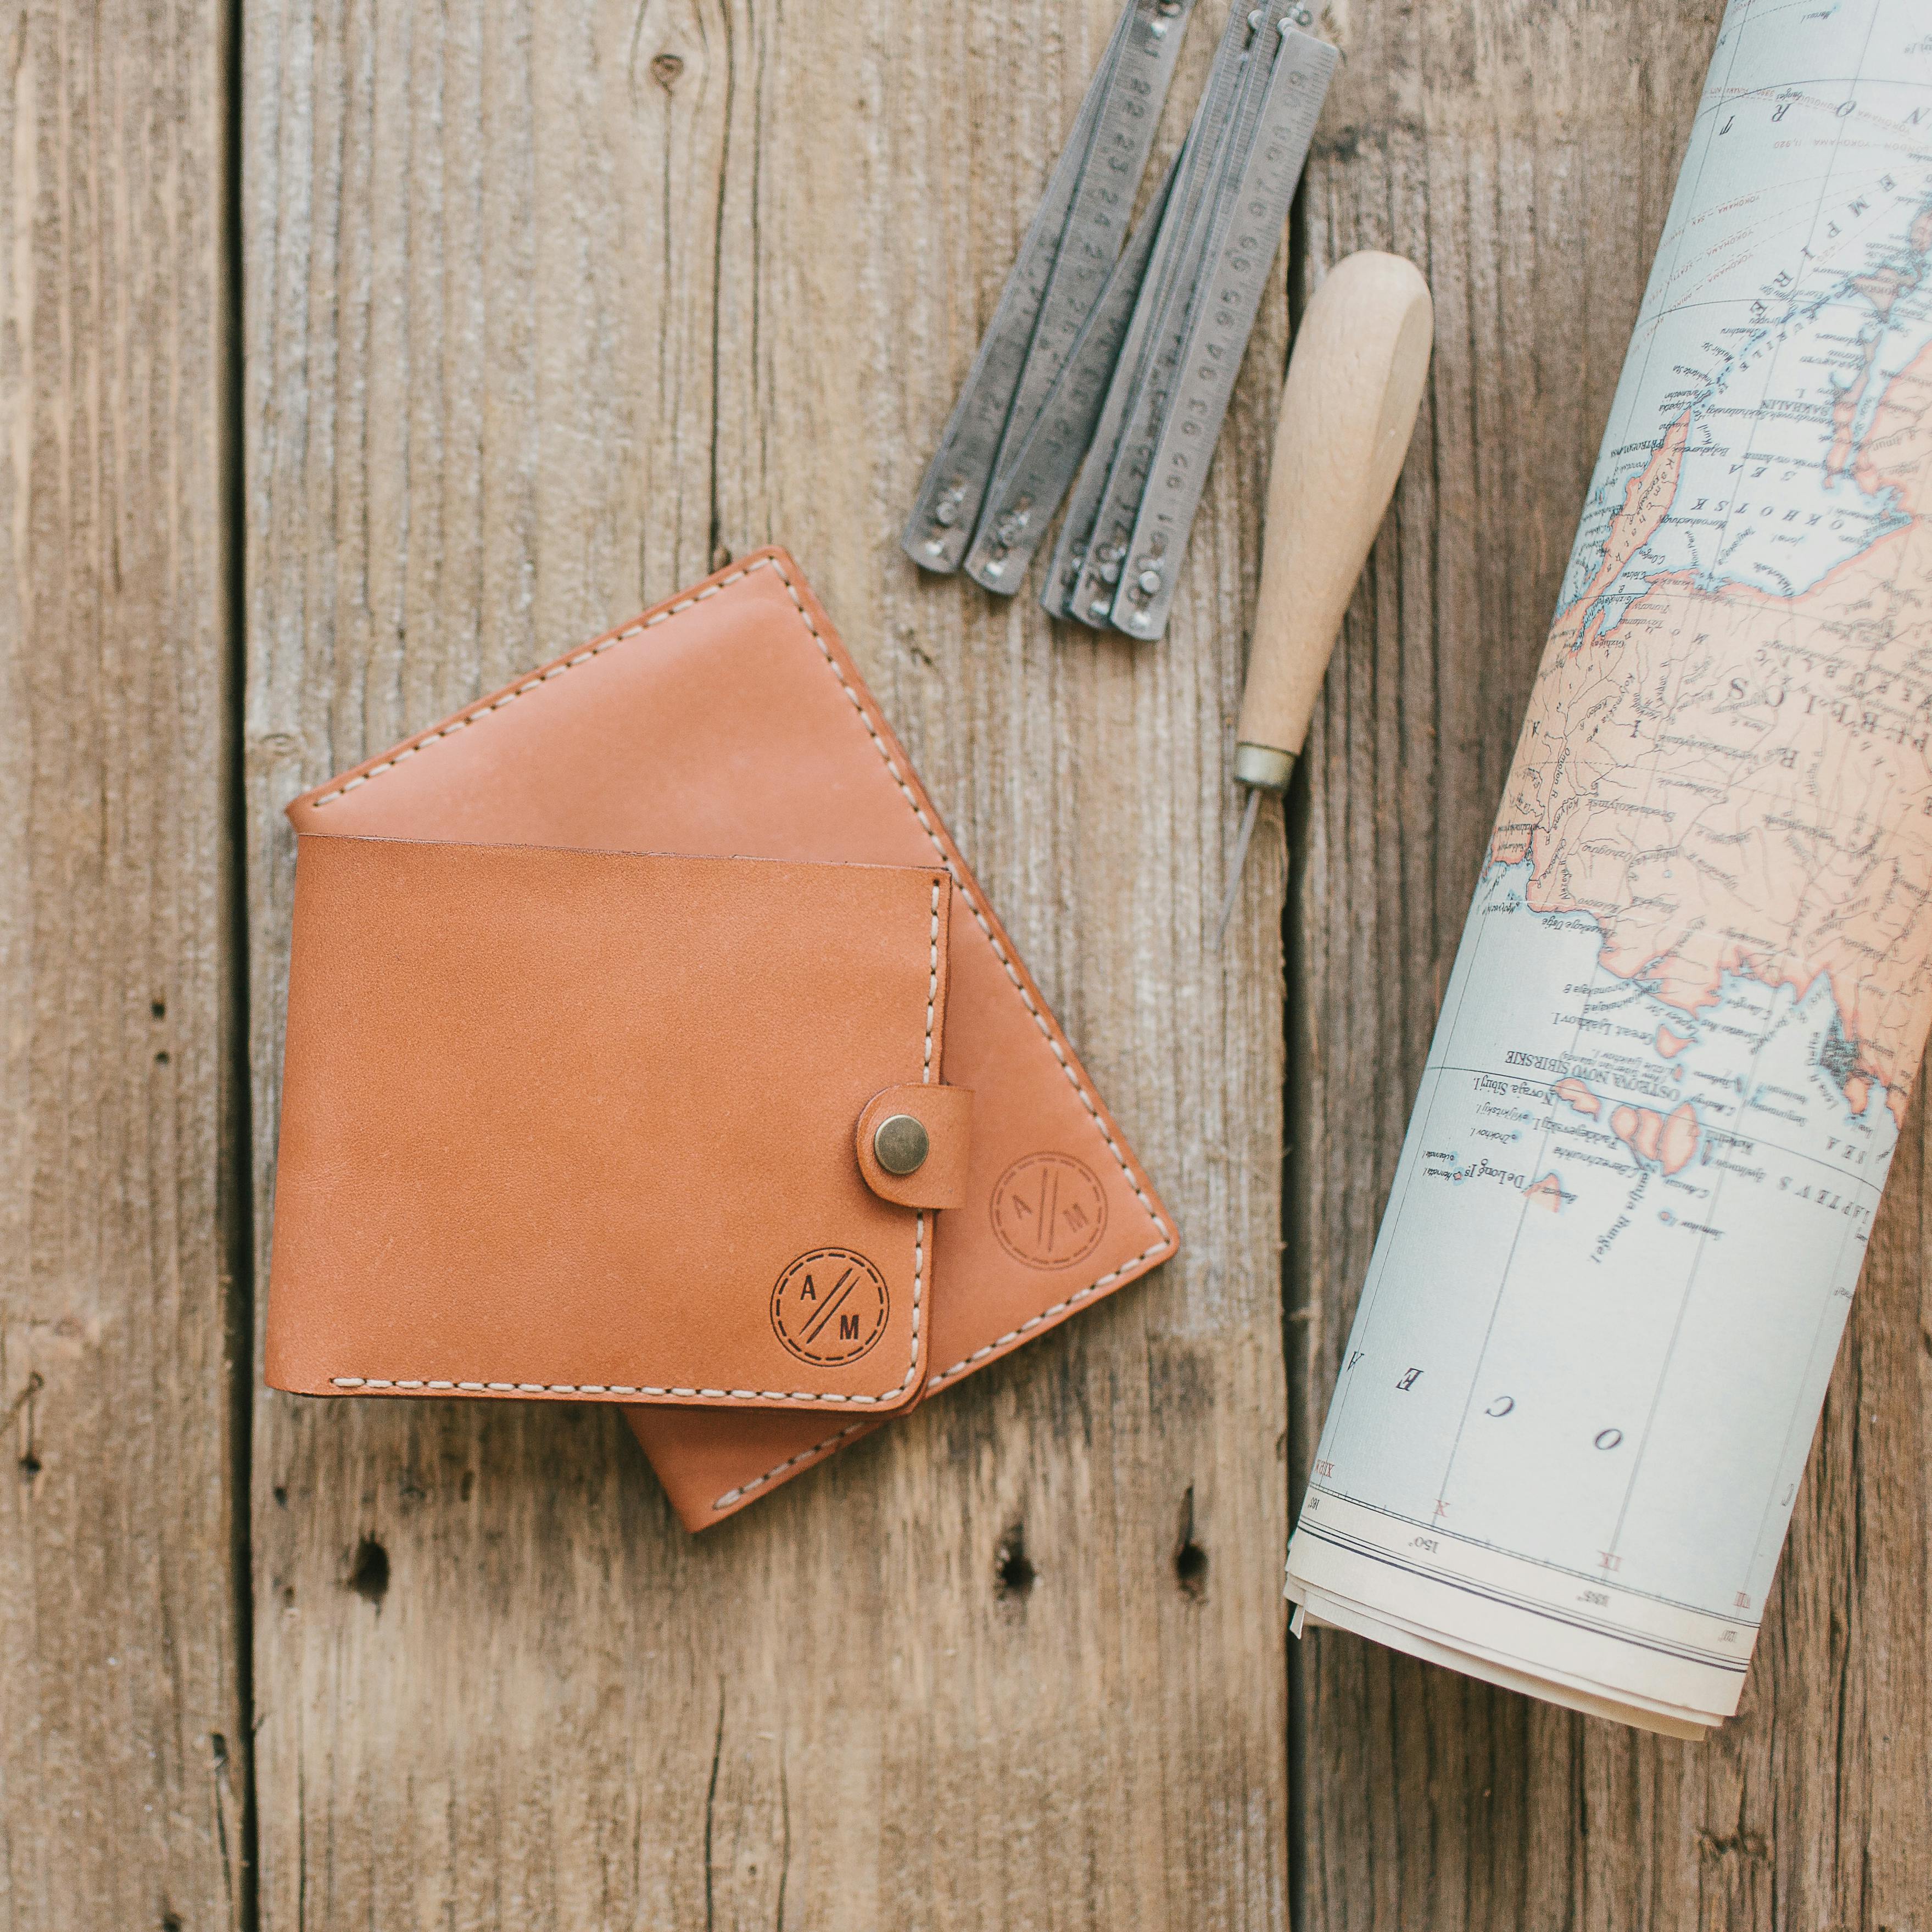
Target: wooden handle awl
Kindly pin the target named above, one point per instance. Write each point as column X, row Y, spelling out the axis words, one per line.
column 1348, row 409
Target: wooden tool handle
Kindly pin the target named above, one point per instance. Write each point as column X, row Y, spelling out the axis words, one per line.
column 1347, row 410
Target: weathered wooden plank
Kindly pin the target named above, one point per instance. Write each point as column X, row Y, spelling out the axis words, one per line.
column 122, row 1779
column 548, row 309
column 1526, row 156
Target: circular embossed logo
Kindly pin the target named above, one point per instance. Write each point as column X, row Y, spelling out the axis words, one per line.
column 1048, row 1210
column 830, row 1306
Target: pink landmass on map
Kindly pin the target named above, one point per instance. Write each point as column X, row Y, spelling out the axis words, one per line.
column 1677, row 1144
column 1579, row 1096
column 1547, row 1192
column 1672, row 1142
column 1671, row 1044
column 1732, row 782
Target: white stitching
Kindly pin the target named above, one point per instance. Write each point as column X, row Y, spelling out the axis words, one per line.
column 945, row 859
column 931, row 982
column 744, row 1490
column 485, row 708
column 629, row 1388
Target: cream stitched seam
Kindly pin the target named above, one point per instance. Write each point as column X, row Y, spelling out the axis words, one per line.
column 743, row 1489
column 483, row 710
column 932, row 983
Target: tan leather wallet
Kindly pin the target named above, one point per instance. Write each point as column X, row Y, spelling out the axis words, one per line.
column 599, row 993
column 566, row 1124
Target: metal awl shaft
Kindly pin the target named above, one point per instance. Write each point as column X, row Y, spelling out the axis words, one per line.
column 1247, row 832
column 1261, row 768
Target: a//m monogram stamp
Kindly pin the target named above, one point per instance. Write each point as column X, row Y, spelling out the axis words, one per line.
column 1048, row 1210
column 830, row 1306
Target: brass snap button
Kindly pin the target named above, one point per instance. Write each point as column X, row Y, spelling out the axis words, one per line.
column 900, row 1144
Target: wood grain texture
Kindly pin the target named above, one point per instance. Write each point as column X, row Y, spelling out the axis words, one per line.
column 1525, row 155
column 122, row 1757
column 550, row 309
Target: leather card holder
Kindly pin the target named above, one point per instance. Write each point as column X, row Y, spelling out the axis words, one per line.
column 581, row 1126
column 731, row 720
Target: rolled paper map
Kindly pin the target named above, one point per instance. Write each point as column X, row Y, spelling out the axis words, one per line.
column 1692, row 996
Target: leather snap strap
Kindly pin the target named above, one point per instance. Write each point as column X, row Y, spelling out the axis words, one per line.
column 888, row 1132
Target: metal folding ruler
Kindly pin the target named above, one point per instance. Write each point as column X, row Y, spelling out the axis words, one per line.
column 1122, row 350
